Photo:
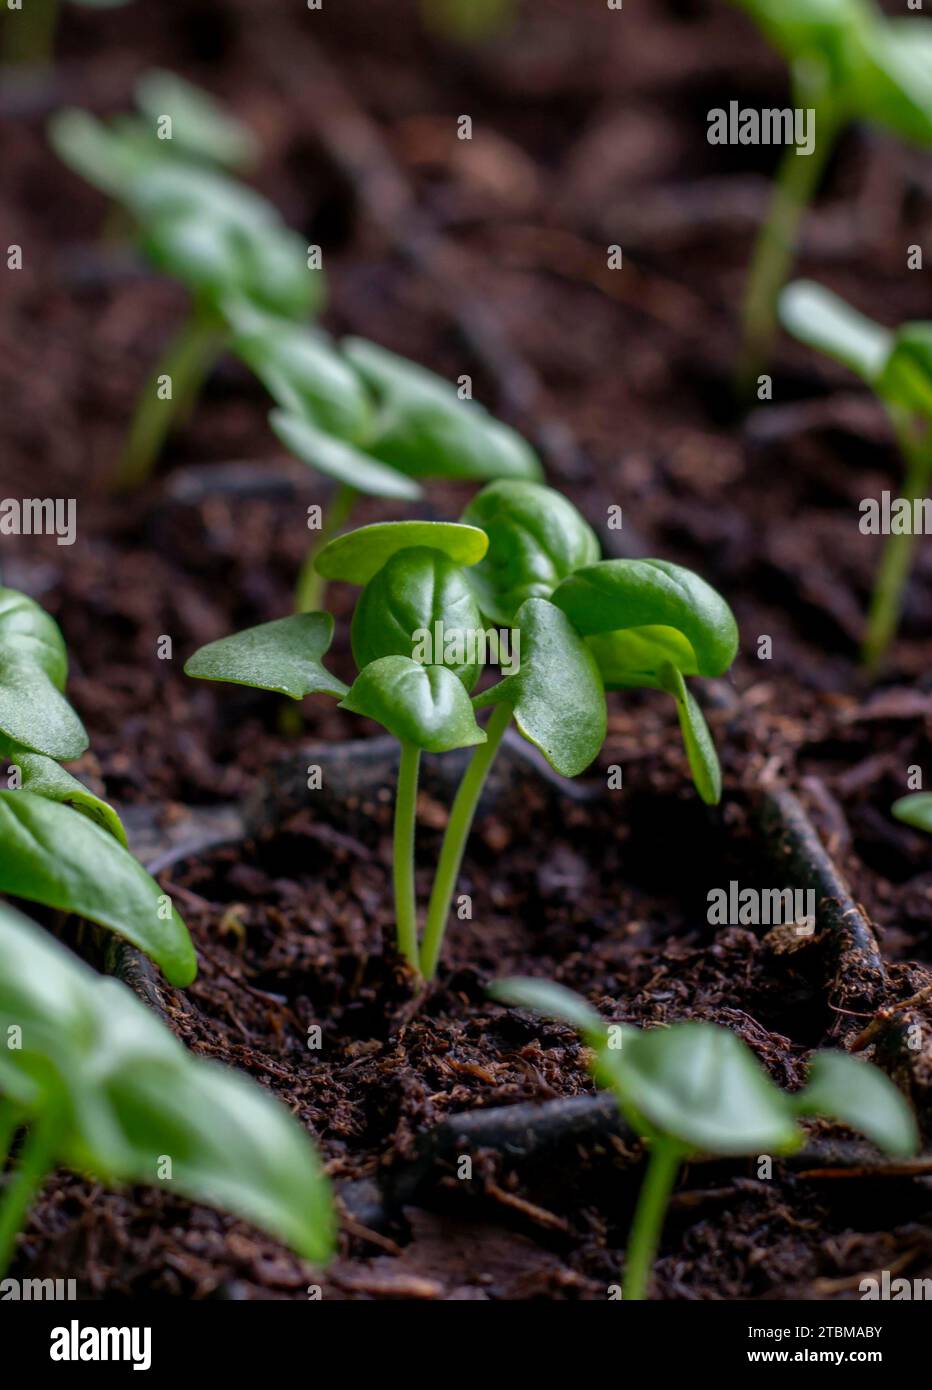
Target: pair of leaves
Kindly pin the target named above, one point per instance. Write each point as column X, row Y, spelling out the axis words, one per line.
column 644, row 622
column 878, row 69
column 700, row 1086
column 368, row 418
column 426, row 705
column 112, row 155
column 896, row 365
column 65, row 860
column 219, row 237
column 119, row 1091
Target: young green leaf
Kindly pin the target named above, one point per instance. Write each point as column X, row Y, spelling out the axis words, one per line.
column 427, row 431
column 54, row 856
column 284, row 655
column 44, row 777
column 915, row 810
column 556, row 694
column 401, row 607
column 201, row 127
column 102, row 155
column 536, row 539
column 118, row 1090
column 301, row 369
column 232, row 1146
column 553, row 1001
column 424, row 706
column 33, row 670
column 824, row 321
column 636, row 656
column 617, row 594
column 700, row 750
column 338, row 459
column 360, row 554
column 906, row 379
column 841, row 1088
column 699, row 1084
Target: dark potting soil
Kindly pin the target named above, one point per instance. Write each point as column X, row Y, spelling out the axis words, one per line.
column 589, row 130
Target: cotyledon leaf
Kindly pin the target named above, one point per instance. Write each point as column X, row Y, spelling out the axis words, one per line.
column 360, row 554
column 53, row 855
column 556, row 694
column 283, row 655
column 424, row 706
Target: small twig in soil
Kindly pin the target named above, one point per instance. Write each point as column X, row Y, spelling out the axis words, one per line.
column 859, row 978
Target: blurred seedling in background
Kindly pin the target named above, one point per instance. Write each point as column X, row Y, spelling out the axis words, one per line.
column 218, row 237
column 522, row 559
column 849, row 63
column 62, row 846
column 696, row 1088
column 897, row 366
column 102, row 1087
column 372, row 421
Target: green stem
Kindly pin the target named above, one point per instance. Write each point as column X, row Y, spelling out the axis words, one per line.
column 405, row 823
column 29, row 33
column 775, row 250
column 455, row 837
column 187, row 362
column 887, row 599
column 311, row 586
column 648, row 1217
column 36, row 1159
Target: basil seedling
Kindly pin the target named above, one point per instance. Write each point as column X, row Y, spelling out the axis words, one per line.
column 219, row 238
column 697, row 1088
column 103, row 1088
column 522, row 556
column 370, row 420
column 897, row 366
column 848, row 62
column 63, row 846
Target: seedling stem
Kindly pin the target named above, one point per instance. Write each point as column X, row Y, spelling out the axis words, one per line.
column 405, row 819
column 455, row 837
column 794, row 188
column 187, row 362
column 311, row 586
column 896, row 562
column 662, row 1167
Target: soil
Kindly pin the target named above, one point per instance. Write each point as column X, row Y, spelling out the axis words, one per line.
column 589, row 130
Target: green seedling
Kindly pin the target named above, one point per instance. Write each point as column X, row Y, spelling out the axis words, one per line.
column 915, row 810
column 63, row 846
column 219, row 238
column 565, row 624
column 897, row 366
column 848, row 63
column 370, row 420
column 695, row 1088
column 103, row 1088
